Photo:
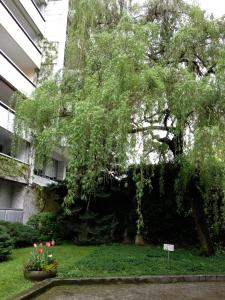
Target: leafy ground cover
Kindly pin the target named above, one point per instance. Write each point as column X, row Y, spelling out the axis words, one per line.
column 141, row 260
column 81, row 261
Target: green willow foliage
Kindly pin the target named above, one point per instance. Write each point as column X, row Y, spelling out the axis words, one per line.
column 138, row 80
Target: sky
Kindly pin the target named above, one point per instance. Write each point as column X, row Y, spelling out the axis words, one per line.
column 217, row 7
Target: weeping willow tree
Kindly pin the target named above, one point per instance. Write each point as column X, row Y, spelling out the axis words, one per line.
column 141, row 83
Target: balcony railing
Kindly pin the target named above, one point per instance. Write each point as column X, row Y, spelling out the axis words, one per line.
column 43, row 181
column 33, row 13
column 20, row 26
column 23, row 43
column 38, row 10
column 2, row 103
column 13, row 169
column 11, row 215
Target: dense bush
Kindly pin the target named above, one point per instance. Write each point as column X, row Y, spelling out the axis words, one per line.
column 6, row 243
column 46, row 226
column 21, row 235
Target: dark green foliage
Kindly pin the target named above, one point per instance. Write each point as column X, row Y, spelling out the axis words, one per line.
column 94, row 229
column 87, row 227
column 166, row 219
column 21, row 235
column 46, row 226
column 6, row 243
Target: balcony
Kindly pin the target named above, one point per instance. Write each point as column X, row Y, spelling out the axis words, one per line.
column 14, row 76
column 13, row 169
column 16, row 42
column 33, row 14
column 40, row 2
column 43, row 181
column 11, row 215
column 51, row 172
column 7, row 117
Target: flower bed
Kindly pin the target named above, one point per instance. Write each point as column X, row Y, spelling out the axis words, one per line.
column 42, row 263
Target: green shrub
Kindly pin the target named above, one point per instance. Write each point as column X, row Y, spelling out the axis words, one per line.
column 45, row 225
column 6, row 243
column 21, row 235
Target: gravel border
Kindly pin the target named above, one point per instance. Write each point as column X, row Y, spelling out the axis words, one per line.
column 41, row 287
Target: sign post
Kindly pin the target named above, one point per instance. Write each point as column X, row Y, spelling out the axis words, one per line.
column 169, row 248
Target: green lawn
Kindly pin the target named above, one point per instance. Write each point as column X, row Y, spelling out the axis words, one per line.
column 109, row 261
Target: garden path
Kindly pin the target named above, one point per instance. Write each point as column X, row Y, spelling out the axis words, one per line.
column 142, row 291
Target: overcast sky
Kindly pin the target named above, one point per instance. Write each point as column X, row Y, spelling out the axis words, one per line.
column 217, row 7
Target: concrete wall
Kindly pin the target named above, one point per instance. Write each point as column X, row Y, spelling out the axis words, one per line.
column 29, row 204
column 6, row 192
column 18, row 196
column 12, row 194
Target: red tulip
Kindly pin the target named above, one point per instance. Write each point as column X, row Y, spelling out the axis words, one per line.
column 48, row 244
column 40, row 250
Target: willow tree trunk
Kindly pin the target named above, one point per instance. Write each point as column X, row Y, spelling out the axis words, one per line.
column 201, row 227
column 195, row 197
column 200, row 218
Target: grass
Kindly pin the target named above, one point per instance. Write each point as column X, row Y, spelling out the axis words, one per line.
column 111, row 260
column 12, row 281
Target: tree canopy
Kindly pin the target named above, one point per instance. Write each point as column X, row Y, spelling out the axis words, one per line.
column 141, row 83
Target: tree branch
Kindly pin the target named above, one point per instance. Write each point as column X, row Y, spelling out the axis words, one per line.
column 153, row 127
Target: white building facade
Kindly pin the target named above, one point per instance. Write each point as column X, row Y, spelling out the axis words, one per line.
column 23, row 24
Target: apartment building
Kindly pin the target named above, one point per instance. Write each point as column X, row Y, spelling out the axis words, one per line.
column 23, row 25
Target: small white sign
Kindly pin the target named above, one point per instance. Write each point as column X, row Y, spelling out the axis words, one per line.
column 168, row 247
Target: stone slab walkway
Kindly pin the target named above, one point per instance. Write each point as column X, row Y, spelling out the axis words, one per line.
column 139, row 291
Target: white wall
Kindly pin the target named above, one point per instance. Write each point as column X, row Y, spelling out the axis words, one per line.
column 56, row 25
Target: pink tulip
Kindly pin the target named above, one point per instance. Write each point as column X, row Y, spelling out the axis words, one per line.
column 53, row 243
column 41, row 245
column 48, row 244
column 35, row 245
